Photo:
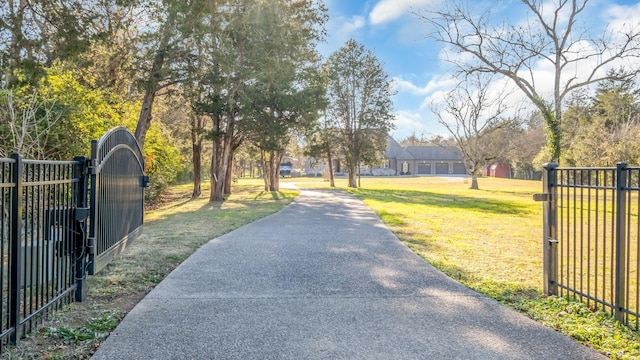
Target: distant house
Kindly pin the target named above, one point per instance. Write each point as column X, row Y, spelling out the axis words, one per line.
column 424, row 160
column 403, row 160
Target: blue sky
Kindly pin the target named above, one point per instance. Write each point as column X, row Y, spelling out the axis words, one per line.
column 399, row 40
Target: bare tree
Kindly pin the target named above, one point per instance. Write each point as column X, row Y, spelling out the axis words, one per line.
column 551, row 33
column 472, row 114
column 24, row 127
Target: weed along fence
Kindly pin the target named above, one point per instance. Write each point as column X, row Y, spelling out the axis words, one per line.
column 592, row 236
column 62, row 220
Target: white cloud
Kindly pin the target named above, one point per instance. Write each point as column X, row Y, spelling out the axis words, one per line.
column 434, row 98
column 437, row 82
column 421, row 123
column 408, row 122
column 349, row 26
column 389, row 10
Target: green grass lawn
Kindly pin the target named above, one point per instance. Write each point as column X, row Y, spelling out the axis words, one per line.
column 490, row 240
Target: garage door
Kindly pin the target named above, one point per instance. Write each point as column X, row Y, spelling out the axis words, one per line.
column 442, row 168
column 424, row 169
column 459, row 169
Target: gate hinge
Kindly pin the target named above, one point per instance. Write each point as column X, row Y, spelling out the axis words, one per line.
column 92, row 167
column 542, row 197
column 552, row 241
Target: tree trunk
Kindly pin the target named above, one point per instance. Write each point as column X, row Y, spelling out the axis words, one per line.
column 219, row 177
column 352, row 176
column 235, row 144
column 217, row 154
column 275, row 171
column 271, row 170
column 331, row 178
column 266, row 170
column 229, row 176
column 197, row 169
column 215, row 193
column 196, row 146
column 222, row 151
column 144, row 120
column 152, row 83
column 474, row 182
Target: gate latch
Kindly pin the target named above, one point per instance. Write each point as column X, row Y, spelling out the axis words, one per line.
column 542, row 197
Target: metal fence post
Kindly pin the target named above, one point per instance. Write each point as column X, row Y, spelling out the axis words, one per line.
column 80, row 217
column 15, row 247
column 550, row 242
column 621, row 211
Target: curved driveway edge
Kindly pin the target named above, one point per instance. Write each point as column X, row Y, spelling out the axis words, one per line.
column 323, row 279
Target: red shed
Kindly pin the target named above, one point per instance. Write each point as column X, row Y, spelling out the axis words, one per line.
column 501, row 171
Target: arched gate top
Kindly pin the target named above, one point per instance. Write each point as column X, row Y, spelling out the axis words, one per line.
column 115, row 139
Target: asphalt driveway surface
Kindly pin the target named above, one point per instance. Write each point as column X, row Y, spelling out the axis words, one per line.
column 323, row 279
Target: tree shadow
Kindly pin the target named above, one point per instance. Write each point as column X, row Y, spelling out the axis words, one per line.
column 415, row 197
column 275, row 195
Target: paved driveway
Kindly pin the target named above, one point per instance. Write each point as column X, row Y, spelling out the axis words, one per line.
column 323, row 279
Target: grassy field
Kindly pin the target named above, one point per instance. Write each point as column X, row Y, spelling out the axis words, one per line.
column 490, row 240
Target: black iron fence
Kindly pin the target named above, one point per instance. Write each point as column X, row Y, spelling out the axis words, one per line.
column 592, row 236
column 48, row 231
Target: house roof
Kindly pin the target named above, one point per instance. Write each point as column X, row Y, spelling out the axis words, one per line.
column 426, row 152
column 434, row 152
column 393, row 148
column 406, row 155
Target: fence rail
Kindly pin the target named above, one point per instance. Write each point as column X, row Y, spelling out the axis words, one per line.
column 39, row 240
column 592, row 236
column 44, row 225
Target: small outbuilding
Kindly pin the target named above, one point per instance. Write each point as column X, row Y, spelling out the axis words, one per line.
column 500, row 171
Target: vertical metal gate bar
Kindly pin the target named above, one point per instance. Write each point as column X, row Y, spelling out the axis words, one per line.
column 15, row 253
column 80, row 171
column 91, row 248
column 627, row 241
column 596, row 232
column 550, row 254
column 589, row 235
column 637, row 245
column 581, row 256
column 604, row 239
column 574, row 244
column 620, row 240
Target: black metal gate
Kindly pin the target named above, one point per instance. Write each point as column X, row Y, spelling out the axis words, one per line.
column 117, row 196
column 48, row 209
column 592, row 237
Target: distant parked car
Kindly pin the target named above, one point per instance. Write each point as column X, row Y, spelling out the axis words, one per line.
column 285, row 169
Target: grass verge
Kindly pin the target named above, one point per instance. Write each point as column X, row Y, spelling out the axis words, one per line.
column 489, row 240
column 172, row 232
